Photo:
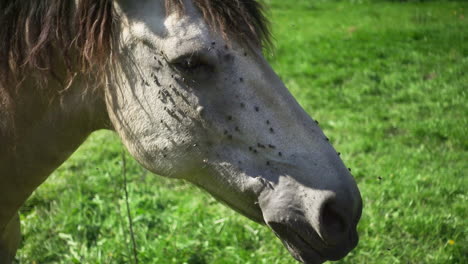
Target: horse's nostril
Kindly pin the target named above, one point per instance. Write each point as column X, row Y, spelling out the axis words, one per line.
column 333, row 226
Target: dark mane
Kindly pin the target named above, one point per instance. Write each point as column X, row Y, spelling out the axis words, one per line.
column 240, row 19
column 35, row 34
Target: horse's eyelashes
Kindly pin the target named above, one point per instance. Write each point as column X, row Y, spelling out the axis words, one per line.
column 191, row 63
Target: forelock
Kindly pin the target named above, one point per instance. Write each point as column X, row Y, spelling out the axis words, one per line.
column 241, row 20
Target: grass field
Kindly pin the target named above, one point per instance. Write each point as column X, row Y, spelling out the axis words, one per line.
column 388, row 82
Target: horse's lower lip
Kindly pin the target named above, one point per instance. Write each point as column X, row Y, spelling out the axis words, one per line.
column 299, row 248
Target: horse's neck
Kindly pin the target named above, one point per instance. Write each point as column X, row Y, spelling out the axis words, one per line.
column 46, row 132
column 49, row 130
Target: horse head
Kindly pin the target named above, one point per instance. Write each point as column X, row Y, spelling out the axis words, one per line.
column 192, row 97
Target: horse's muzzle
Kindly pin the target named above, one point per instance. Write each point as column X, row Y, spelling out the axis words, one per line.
column 314, row 225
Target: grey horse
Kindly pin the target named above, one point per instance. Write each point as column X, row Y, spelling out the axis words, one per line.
column 186, row 87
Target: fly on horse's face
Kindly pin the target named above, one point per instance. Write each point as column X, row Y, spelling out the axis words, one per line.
column 191, row 103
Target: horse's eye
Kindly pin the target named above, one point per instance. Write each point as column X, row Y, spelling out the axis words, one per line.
column 191, row 64
column 188, row 63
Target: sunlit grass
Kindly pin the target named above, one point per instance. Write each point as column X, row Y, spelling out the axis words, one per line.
column 388, row 83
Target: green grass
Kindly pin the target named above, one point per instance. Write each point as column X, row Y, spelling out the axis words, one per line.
column 388, row 81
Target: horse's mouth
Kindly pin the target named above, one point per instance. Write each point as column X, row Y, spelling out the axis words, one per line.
column 297, row 246
column 307, row 247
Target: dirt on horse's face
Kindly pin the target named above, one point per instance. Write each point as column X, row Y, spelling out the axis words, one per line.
column 190, row 104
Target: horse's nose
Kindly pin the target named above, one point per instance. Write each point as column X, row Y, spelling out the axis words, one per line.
column 337, row 218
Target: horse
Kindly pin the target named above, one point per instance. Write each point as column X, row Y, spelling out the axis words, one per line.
column 185, row 85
